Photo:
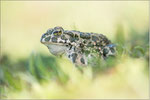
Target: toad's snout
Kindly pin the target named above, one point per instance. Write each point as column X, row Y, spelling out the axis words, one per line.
column 42, row 39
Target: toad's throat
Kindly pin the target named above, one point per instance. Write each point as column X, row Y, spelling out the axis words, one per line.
column 56, row 49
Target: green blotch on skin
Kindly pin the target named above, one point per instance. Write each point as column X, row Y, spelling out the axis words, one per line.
column 63, row 37
column 105, row 51
column 94, row 38
column 82, row 61
column 47, row 39
column 54, row 39
column 74, row 56
column 85, row 35
column 72, row 39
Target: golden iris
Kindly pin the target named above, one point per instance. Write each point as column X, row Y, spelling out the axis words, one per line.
column 57, row 33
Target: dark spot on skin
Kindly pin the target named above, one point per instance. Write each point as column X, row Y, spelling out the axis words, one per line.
column 112, row 50
column 63, row 37
column 50, row 31
column 72, row 39
column 85, row 35
column 76, row 37
column 60, row 41
column 43, row 36
column 88, row 35
column 82, row 61
column 98, row 44
column 79, row 52
column 47, row 39
column 46, row 33
column 102, row 47
column 74, row 56
column 82, row 50
column 95, row 39
column 69, row 56
column 106, row 40
column 97, row 50
column 105, row 51
column 87, row 52
column 65, row 41
column 67, row 45
column 70, row 47
column 90, row 44
column 54, row 39
column 74, row 48
column 69, row 33
column 81, row 45
column 85, row 41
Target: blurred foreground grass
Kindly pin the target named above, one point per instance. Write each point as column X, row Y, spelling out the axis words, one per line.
column 44, row 76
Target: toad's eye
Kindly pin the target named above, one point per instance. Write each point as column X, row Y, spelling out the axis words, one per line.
column 58, row 33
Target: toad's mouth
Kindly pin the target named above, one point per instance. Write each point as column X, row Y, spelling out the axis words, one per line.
column 52, row 43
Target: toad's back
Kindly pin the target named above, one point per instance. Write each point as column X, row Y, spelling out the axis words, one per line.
column 87, row 39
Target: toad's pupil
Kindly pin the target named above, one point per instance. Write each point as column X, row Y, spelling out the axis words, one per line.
column 56, row 31
column 105, row 51
column 59, row 32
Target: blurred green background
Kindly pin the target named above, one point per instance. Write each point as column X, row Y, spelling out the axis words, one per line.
column 28, row 70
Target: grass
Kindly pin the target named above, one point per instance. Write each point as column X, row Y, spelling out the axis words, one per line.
column 44, row 76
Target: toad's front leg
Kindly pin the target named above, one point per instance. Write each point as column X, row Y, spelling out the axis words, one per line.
column 77, row 57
